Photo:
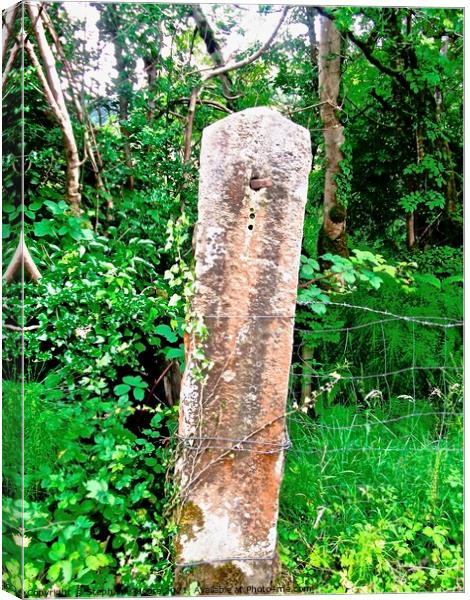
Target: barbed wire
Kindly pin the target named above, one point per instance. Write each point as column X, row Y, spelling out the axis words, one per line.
column 421, row 320
column 314, row 375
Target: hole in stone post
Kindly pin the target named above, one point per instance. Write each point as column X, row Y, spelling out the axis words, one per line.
column 257, row 183
column 250, row 227
column 252, row 215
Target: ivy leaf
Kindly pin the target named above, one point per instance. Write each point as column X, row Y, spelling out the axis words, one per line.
column 174, row 300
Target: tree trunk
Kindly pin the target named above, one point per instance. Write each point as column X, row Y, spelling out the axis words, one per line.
column 125, row 84
column 50, row 82
column 89, row 140
column 451, row 191
column 7, row 28
column 213, row 48
column 150, row 64
column 307, row 355
column 332, row 238
column 310, row 14
column 172, row 384
column 410, row 230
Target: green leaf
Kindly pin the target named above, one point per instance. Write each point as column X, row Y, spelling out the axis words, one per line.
column 67, row 570
column 319, row 309
column 166, row 332
column 134, row 381
column 57, row 551
column 35, row 205
column 96, row 487
column 121, row 389
column 139, row 393
column 54, row 572
column 171, row 353
column 428, row 278
column 96, row 562
column 47, row 535
column 44, row 227
column 57, row 208
column 306, row 271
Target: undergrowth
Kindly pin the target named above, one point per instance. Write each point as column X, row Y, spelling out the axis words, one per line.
column 372, row 501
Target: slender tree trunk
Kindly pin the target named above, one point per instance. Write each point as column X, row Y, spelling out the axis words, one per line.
column 151, row 70
column 307, row 355
column 213, row 48
column 50, row 82
column 410, row 230
column 451, row 192
column 7, row 28
column 125, row 84
column 333, row 235
column 310, row 14
column 80, row 110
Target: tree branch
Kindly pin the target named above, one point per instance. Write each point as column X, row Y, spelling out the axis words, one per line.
column 252, row 57
column 368, row 53
column 11, row 60
column 17, row 328
column 212, row 45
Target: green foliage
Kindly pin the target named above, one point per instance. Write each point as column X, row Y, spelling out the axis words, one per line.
column 381, row 529
column 108, row 315
column 99, row 514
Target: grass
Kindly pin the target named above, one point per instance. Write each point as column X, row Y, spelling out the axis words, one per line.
column 40, row 438
column 372, row 500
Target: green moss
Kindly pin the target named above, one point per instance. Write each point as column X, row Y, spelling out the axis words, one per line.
column 191, row 515
column 223, row 579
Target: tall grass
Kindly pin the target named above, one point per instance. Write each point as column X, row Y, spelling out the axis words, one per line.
column 372, row 499
column 41, row 438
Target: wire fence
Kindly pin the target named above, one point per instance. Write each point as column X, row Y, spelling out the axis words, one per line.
column 375, row 408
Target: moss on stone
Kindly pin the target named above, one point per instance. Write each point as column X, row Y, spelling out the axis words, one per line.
column 223, row 579
column 191, row 516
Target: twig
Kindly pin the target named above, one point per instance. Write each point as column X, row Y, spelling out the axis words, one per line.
column 157, row 381
column 17, row 328
column 252, row 57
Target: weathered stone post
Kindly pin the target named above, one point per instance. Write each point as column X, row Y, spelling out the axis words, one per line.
column 253, row 188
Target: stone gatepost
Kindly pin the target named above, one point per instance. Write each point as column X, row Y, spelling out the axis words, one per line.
column 252, row 194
